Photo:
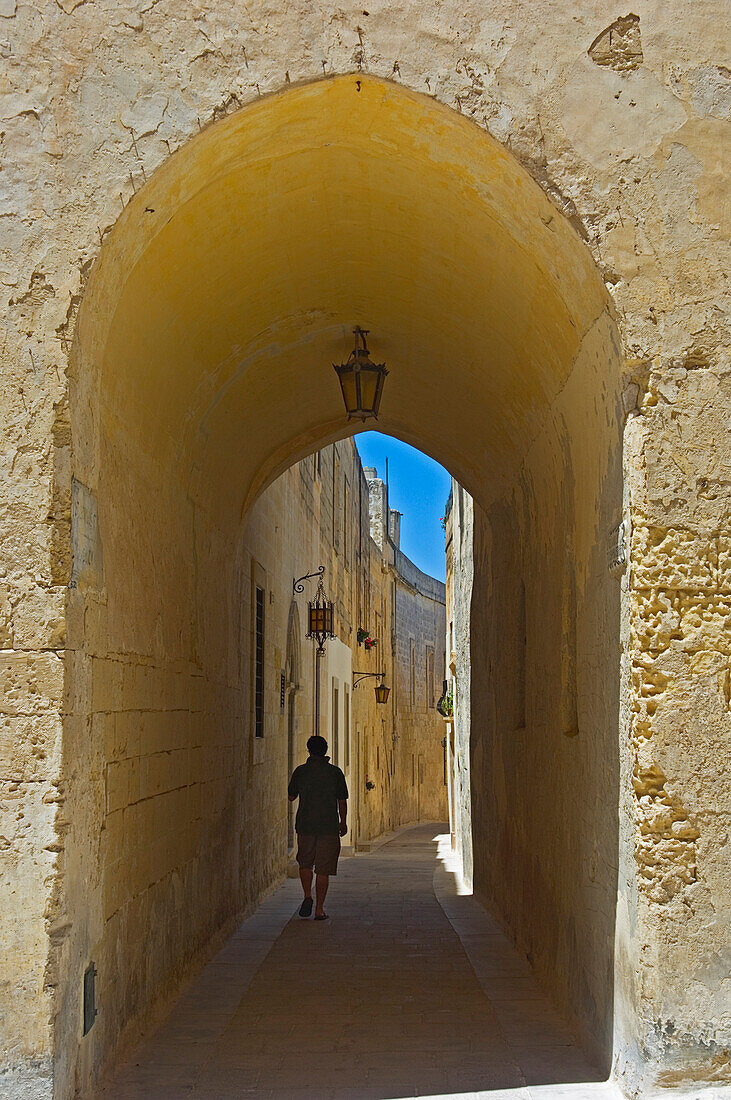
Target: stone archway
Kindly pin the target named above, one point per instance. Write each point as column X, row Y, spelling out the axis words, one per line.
column 146, row 443
column 205, row 339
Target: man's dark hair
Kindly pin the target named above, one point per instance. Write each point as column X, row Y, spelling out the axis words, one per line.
column 317, row 746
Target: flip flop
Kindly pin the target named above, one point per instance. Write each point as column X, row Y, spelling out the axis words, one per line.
column 323, row 917
column 306, row 907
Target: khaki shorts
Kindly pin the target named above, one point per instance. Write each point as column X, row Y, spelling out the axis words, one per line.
column 319, row 851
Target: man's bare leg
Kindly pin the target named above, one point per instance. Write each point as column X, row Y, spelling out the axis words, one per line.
column 321, row 884
column 306, row 880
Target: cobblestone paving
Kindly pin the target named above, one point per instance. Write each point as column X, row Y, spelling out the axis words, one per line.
column 408, row 990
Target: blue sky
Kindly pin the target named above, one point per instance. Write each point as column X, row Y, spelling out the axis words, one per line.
column 418, row 488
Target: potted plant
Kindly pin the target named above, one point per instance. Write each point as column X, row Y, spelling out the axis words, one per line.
column 365, row 639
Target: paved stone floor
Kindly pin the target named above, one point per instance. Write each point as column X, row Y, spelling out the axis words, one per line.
column 410, row 989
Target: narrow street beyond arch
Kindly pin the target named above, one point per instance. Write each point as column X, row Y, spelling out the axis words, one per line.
column 410, row 989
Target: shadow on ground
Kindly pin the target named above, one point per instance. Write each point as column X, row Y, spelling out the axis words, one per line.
column 395, row 996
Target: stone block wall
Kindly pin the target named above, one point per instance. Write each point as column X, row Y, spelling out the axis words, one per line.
column 655, row 592
column 176, row 811
column 677, row 626
column 538, row 693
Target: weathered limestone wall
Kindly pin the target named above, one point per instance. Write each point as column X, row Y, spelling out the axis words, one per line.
column 544, row 693
column 677, row 635
column 178, row 819
column 622, row 121
column 668, row 698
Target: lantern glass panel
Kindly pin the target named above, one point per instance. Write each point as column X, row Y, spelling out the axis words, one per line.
column 380, row 379
column 368, row 389
column 349, row 388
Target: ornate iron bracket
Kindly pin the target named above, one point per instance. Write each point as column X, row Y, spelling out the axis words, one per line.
column 298, row 585
column 365, row 675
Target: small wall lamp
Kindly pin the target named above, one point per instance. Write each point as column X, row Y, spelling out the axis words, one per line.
column 382, row 692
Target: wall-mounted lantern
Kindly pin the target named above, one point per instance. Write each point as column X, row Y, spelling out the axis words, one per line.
column 320, row 624
column 361, row 380
column 320, row 618
column 382, row 692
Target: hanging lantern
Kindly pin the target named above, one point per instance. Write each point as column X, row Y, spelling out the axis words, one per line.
column 361, row 381
column 320, row 618
column 382, row 693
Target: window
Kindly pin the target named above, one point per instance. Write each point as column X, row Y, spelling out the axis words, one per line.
column 346, row 728
column 412, row 672
column 259, row 662
column 336, row 503
column 335, row 723
column 366, row 597
column 429, row 677
column 346, row 524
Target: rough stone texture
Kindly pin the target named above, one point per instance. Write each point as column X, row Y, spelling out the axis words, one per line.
column 95, row 98
column 672, row 693
column 679, row 619
column 177, row 815
column 619, row 46
column 542, row 679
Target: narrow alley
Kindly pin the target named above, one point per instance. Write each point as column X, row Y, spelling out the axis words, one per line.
column 410, row 989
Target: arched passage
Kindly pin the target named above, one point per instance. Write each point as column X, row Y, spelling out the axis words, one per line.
column 341, row 199
column 202, row 371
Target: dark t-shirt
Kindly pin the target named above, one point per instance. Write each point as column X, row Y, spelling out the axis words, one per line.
column 320, row 785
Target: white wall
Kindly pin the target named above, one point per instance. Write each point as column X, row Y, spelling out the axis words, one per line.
column 337, row 672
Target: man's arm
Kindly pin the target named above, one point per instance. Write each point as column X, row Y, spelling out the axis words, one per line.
column 342, row 793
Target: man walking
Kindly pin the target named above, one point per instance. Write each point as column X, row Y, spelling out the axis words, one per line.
column 321, row 821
